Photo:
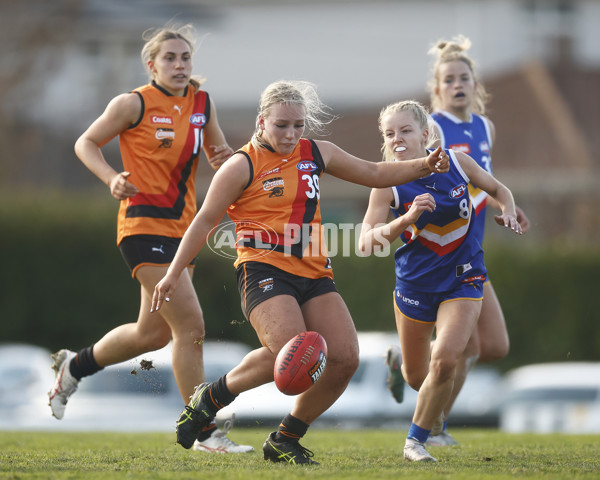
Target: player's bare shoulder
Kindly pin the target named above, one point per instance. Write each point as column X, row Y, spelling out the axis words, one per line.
column 126, row 107
column 333, row 156
column 326, row 147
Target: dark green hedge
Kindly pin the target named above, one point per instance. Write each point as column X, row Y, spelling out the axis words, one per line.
column 64, row 283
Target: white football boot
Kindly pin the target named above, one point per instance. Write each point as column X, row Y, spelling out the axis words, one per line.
column 218, row 441
column 64, row 384
column 444, row 439
column 414, row 451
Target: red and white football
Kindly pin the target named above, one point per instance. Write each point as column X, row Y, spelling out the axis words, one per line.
column 300, row 363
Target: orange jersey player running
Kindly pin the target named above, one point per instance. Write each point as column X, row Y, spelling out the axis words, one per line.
column 162, row 129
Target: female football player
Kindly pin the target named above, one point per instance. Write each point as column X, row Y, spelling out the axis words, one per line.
column 162, row 127
column 439, row 268
column 458, row 99
column 284, row 274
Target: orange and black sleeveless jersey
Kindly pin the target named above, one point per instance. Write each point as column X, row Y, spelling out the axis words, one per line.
column 161, row 151
column 278, row 217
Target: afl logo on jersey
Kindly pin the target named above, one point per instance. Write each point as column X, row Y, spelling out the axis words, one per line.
column 198, row 119
column 484, row 147
column 306, row 166
column 458, row 191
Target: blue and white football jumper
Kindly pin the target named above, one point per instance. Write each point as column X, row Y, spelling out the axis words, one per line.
column 440, row 251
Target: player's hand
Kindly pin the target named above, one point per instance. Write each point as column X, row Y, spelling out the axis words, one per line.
column 522, row 219
column 163, row 291
column 220, row 153
column 438, row 161
column 422, row 203
column 120, row 188
column 509, row 221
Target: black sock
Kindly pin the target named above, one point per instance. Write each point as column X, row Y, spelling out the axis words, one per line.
column 83, row 364
column 218, row 395
column 291, row 429
column 207, row 432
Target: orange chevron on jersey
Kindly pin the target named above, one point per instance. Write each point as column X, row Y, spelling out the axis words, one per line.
column 479, row 198
column 278, row 216
column 440, row 239
column 161, row 151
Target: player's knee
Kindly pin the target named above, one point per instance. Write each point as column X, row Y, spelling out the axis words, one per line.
column 345, row 364
column 414, row 378
column 413, row 381
column 197, row 335
column 443, row 368
column 191, row 327
column 352, row 363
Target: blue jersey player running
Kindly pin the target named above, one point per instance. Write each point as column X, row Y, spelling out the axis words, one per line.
column 439, row 267
column 458, row 100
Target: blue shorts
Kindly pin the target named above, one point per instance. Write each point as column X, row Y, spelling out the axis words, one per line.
column 423, row 306
column 259, row 281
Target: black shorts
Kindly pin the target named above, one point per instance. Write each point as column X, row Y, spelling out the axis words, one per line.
column 156, row 250
column 259, row 281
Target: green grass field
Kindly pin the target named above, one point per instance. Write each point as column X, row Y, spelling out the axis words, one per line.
column 363, row 454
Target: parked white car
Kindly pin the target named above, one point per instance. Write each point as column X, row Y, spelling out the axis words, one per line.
column 141, row 394
column 552, row 397
column 25, row 376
